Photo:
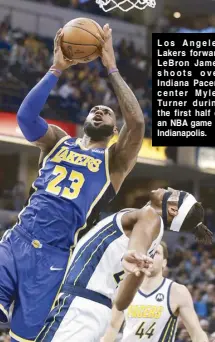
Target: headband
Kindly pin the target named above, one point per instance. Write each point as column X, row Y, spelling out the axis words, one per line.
column 184, row 209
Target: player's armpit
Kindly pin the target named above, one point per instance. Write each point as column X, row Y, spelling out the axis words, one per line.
column 49, row 140
column 187, row 313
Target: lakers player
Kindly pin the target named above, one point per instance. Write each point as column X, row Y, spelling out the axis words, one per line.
column 83, row 308
column 76, row 179
column 154, row 311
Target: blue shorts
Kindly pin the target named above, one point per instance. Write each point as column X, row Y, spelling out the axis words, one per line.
column 31, row 273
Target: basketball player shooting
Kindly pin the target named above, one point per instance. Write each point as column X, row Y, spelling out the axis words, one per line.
column 77, row 178
column 83, row 308
column 154, row 312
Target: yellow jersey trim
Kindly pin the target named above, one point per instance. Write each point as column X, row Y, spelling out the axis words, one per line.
column 60, row 308
column 5, row 312
column 88, row 214
column 87, row 262
column 101, row 232
column 18, row 338
column 79, row 143
column 167, row 329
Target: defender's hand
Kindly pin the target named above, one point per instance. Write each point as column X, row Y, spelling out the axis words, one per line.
column 107, row 53
column 60, row 62
column 136, row 263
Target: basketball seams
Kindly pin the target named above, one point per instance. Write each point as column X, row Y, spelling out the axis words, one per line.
column 95, row 24
column 63, row 41
column 84, row 30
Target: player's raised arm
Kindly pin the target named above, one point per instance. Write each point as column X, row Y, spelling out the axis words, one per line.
column 146, row 227
column 130, row 138
column 34, row 128
column 187, row 312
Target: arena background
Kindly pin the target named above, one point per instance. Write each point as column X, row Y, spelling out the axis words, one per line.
column 26, row 42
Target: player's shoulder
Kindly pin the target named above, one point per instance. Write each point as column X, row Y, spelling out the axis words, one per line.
column 150, row 213
column 179, row 290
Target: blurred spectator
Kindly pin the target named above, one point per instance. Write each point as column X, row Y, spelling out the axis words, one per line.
column 18, row 194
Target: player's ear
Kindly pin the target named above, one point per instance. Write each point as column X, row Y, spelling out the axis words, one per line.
column 172, row 209
column 115, row 130
column 164, row 263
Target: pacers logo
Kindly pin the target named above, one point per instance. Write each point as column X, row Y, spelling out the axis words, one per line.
column 159, row 297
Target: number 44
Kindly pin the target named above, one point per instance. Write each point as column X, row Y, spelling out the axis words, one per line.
column 141, row 330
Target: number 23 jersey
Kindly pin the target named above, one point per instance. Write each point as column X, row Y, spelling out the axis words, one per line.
column 149, row 317
column 73, row 183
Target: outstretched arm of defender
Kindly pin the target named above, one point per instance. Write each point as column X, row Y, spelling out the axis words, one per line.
column 130, row 139
column 117, row 319
column 146, row 227
column 187, row 313
column 34, row 128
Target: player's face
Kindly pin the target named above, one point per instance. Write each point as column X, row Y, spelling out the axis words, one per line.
column 156, row 196
column 159, row 263
column 100, row 123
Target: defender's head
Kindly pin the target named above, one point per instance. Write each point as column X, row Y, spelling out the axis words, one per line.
column 100, row 123
column 181, row 212
column 160, row 259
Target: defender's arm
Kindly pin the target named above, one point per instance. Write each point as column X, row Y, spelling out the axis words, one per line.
column 146, row 227
column 114, row 327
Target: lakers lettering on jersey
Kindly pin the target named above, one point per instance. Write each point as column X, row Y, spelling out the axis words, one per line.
column 71, row 187
column 149, row 317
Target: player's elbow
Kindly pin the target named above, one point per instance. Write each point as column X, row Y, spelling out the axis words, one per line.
column 22, row 114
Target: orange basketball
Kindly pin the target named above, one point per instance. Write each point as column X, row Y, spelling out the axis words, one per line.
column 80, row 42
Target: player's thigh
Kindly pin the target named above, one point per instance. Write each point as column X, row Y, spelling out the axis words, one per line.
column 8, row 278
column 76, row 319
column 38, row 287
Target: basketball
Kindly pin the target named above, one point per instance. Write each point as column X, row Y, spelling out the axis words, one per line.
column 80, row 42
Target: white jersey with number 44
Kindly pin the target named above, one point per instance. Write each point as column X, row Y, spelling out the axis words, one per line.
column 149, row 317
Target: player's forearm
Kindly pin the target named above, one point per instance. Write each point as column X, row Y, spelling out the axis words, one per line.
column 31, row 124
column 129, row 105
column 110, row 335
column 199, row 336
column 127, row 290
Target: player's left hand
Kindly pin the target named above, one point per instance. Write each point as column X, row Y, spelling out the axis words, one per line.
column 107, row 53
column 60, row 62
column 136, row 263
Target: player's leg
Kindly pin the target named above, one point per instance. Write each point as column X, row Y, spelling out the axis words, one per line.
column 8, row 277
column 40, row 269
column 75, row 319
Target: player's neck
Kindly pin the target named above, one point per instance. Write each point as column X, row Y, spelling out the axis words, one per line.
column 150, row 284
column 87, row 142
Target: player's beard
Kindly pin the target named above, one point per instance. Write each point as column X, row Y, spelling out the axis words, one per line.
column 99, row 133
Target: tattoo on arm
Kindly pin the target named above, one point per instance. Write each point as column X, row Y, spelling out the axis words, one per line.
column 131, row 135
column 129, row 105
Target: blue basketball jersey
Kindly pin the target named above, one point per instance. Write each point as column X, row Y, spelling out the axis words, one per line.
column 71, row 187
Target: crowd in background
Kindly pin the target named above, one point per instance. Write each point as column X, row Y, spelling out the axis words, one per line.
column 24, row 59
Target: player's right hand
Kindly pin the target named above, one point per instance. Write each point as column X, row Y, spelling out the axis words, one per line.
column 60, row 62
column 136, row 263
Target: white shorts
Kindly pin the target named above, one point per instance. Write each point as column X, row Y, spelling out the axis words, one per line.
column 75, row 319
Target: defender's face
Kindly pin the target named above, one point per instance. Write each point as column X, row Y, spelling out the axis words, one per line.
column 156, row 196
column 100, row 123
